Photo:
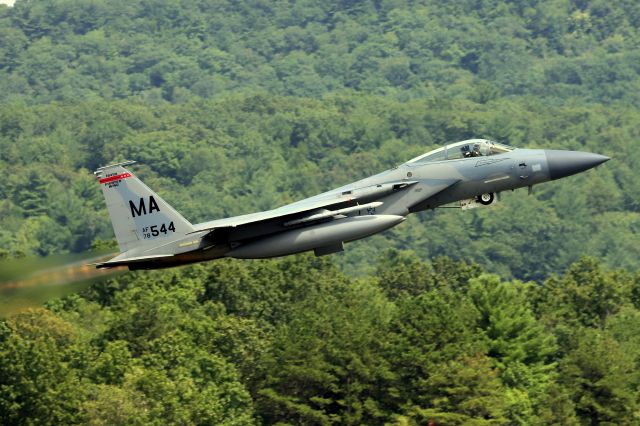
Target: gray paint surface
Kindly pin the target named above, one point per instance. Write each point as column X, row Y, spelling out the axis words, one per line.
column 151, row 234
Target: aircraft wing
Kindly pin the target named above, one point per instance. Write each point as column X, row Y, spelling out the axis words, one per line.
column 281, row 212
column 335, row 202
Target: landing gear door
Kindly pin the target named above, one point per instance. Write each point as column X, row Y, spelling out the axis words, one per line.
column 471, row 203
column 481, row 200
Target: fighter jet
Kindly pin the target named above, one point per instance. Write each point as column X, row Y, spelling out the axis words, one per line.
column 471, row 173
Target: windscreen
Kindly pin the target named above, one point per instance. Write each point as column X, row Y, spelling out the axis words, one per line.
column 464, row 149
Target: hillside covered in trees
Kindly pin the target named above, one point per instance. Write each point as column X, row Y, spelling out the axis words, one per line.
column 296, row 341
column 238, row 107
column 485, row 317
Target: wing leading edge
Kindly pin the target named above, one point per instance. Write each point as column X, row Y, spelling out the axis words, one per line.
column 332, row 200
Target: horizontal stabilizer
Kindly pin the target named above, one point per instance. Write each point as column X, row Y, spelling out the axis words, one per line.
column 129, row 260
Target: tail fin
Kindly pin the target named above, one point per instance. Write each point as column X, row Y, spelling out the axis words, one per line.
column 137, row 213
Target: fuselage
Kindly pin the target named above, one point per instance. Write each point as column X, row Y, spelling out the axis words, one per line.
column 468, row 170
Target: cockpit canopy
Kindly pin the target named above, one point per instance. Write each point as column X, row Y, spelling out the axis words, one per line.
column 464, row 149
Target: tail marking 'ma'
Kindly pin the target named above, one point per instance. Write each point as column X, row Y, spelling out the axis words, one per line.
column 138, row 214
column 141, row 208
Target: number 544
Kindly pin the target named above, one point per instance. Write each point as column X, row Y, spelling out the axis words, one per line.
column 164, row 229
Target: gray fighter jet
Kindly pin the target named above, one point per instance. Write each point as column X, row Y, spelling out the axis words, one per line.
column 151, row 234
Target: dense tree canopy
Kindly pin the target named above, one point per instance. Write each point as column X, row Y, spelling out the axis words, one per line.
column 256, row 104
column 486, row 317
column 176, row 347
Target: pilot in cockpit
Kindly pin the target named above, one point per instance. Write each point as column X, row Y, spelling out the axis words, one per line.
column 475, row 152
column 463, row 149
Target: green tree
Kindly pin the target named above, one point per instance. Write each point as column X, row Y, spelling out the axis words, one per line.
column 465, row 391
column 601, row 377
column 326, row 364
column 267, row 290
column 426, row 331
column 587, row 295
column 521, row 347
column 37, row 383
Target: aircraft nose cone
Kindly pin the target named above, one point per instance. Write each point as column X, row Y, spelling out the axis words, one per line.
column 567, row 163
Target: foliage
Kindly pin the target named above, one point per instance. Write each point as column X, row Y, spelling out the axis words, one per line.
column 257, row 152
column 257, row 105
column 334, row 350
column 232, row 107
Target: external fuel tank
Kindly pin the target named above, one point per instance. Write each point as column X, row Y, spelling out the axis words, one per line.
column 315, row 236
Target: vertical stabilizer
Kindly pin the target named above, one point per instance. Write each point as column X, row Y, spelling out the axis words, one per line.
column 139, row 216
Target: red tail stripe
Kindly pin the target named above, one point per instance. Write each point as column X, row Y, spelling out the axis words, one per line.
column 117, row 177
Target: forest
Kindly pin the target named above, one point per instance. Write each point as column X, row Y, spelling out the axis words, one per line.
column 523, row 313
